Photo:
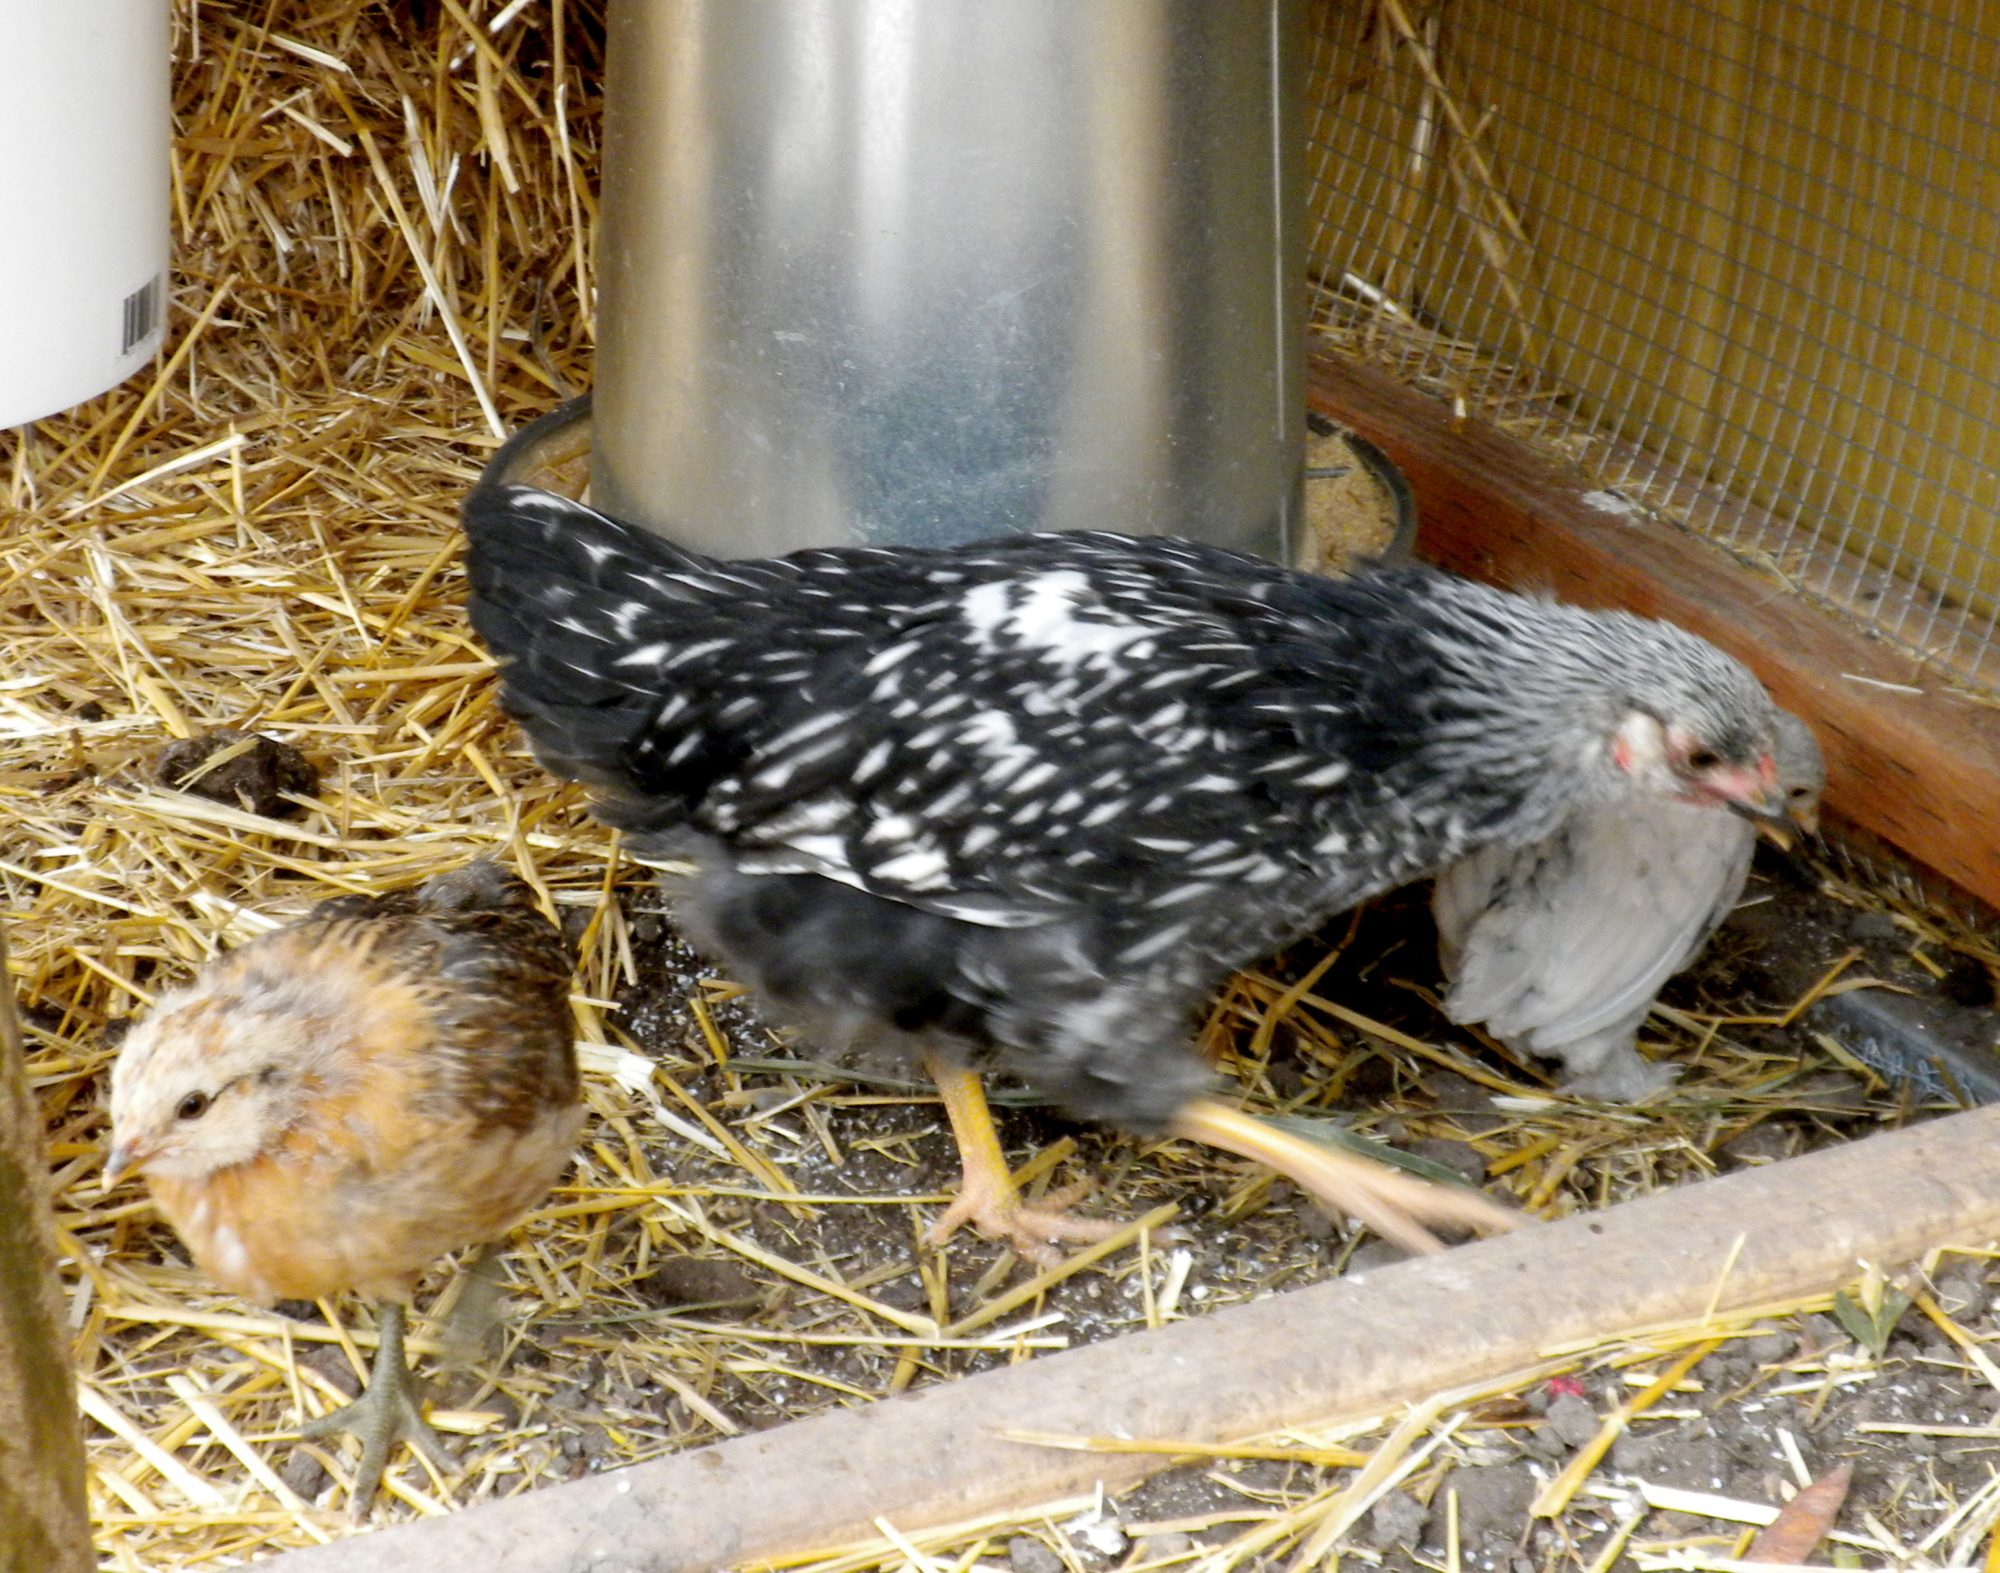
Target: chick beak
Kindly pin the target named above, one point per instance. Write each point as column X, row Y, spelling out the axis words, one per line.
column 1757, row 796
column 1767, row 812
column 127, row 1157
column 1777, row 829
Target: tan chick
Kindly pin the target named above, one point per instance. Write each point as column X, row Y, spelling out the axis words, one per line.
column 340, row 1102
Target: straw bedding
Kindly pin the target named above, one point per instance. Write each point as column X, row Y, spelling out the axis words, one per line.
column 385, row 218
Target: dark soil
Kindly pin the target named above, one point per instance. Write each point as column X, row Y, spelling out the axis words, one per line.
column 1754, row 1093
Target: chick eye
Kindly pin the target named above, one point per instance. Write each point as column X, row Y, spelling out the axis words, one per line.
column 192, row 1107
column 1704, row 759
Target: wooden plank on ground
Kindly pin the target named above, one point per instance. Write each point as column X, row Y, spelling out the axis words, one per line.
column 1908, row 758
column 1355, row 1346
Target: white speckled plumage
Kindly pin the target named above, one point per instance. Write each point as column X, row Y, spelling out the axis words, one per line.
column 1038, row 796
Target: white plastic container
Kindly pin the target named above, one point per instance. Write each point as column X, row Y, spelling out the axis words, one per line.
column 84, row 190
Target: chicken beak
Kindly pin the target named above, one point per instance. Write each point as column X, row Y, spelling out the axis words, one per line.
column 127, row 1157
column 1757, row 796
column 1768, row 815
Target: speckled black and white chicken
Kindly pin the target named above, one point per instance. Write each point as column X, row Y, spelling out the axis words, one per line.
column 1030, row 801
column 1560, row 946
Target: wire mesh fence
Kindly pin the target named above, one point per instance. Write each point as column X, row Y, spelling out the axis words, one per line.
column 1733, row 257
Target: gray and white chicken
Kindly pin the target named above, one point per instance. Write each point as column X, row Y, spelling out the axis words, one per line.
column 1560, row 946
column 1030, row 801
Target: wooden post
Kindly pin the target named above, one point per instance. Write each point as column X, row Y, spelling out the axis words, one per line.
column 44, row 1524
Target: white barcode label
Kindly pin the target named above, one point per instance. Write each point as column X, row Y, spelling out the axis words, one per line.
column 142, row 315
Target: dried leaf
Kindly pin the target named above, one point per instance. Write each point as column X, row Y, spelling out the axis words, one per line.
column 1804, row 1521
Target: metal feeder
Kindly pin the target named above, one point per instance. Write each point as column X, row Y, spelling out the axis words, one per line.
column 887, row 271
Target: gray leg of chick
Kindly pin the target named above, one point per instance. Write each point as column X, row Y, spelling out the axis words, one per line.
column 476, row 1312
column 387, row 1412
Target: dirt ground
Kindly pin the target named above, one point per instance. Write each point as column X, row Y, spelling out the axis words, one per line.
column 1786, row 1401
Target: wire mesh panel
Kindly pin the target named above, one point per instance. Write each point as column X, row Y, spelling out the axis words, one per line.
column 1735, row 258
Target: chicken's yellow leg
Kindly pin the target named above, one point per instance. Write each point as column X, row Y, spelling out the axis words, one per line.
column 1386, row 1199
column 987, row 1198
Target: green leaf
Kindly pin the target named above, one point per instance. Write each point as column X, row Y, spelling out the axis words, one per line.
column 1871, row 1329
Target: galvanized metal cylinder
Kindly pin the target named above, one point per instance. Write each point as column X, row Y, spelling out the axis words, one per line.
column 925, row 271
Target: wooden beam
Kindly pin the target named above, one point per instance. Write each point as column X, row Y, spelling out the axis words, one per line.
column 1354, row 1346
column 1908, row 758
column 44, row 1526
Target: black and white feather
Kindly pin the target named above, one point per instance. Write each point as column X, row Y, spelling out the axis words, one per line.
column 1037, row 797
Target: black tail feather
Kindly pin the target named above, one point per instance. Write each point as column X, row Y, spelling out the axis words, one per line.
column 547, row 578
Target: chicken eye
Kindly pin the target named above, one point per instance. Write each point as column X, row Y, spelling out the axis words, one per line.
column 192, row 1107
column 1703, row 759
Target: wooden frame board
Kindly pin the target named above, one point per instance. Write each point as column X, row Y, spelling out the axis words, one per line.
column 1909, row 758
